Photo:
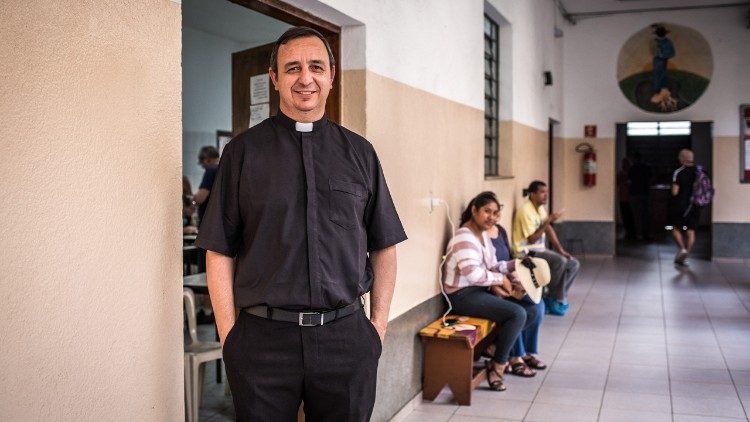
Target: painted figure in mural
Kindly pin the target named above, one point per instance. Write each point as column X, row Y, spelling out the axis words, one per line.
column 662, row 49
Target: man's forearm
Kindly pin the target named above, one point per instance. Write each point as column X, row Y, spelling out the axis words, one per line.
column 220, row 277
column 384, row 273
column 553, row 240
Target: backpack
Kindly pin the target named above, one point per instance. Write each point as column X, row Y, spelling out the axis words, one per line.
column 703, row 191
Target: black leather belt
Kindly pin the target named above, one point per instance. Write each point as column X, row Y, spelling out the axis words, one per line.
column 304, row 319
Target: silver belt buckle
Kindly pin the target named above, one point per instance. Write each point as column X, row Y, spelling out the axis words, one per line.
column 302, row 319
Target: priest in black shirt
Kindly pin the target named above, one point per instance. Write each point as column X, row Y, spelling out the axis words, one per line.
column 300, row 225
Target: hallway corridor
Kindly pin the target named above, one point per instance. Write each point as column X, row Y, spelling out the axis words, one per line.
column 643, row 341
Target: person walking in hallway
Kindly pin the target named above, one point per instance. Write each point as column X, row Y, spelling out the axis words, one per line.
column 299, row 226
column 531, row 227
column 683, row 213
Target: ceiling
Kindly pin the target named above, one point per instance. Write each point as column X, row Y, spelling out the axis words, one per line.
column 580, row 9
column 228, row 20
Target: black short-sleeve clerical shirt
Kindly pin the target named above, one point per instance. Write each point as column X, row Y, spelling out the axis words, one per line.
column 299, row 210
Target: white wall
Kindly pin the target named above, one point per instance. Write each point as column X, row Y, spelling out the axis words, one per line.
column 427, row 44
column 591, row 91
column 535, row 50
column 422, row 43
column 206, row 94
column 437, row 47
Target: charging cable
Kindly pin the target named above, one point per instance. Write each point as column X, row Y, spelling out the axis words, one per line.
column 442, row 260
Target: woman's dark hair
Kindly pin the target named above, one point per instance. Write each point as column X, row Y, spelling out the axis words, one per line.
column 533, row 187
column 299, row 32
column 479, row 201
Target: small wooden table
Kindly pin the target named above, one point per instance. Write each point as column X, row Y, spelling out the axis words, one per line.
column 449, row 357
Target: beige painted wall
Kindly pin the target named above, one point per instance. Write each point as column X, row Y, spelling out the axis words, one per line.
column 732, row 199
column 91, row 206
column 528, row 150
column 597, row 203
column 583, row 203
column 426, row 144
column 429, row 145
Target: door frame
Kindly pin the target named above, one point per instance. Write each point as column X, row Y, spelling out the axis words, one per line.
column 551, row 159
column 707, row 156
column 292, row 15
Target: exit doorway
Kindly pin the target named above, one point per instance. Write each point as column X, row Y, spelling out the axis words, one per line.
column 646, row 158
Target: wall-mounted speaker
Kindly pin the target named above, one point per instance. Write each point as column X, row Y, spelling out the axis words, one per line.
column 548, row 78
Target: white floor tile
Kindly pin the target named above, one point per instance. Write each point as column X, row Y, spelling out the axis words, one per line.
column 636, row 401
column 619, row 415
column 725, row 407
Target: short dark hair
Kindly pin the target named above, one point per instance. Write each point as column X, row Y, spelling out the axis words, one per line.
column 533, row 187
column 478, row 202
column 299, row 32
column 207, row 153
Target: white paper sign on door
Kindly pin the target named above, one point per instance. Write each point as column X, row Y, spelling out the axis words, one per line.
column 258, row 113
column 260, row 89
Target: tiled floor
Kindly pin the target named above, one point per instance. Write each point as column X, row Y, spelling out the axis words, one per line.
column 643, row 341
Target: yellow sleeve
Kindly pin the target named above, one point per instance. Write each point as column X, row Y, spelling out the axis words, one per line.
column 524, row 226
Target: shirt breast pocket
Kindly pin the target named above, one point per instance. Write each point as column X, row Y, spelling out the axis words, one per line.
column 347, row 203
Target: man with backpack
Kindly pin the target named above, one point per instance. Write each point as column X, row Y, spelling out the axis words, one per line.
column 691, row 191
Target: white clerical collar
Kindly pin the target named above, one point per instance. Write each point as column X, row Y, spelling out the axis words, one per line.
column 303, row 127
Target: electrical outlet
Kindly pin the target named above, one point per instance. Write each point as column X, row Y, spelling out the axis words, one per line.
column 434, row 203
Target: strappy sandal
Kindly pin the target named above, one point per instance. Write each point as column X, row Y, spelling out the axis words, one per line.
column 496, row 385
column 520, row 369
column 535, row 363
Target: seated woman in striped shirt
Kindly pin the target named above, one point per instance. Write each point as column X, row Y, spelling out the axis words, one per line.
column 471, row 268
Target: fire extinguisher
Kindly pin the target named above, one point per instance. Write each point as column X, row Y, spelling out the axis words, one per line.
column 589, row 163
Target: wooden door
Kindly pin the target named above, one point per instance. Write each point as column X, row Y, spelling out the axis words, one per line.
column 246, row 64
column 255, row 62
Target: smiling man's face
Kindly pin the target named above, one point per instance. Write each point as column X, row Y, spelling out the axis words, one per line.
column 304, row 78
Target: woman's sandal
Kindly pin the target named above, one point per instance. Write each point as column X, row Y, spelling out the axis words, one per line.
column 533, row 362
column 520, row 368
column 496, row 385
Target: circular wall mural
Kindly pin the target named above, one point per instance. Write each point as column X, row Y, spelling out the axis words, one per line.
column 664, row 67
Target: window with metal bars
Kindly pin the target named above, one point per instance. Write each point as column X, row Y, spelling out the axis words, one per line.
column 491, row 130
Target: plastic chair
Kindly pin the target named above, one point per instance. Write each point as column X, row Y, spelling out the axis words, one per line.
column 196, row 353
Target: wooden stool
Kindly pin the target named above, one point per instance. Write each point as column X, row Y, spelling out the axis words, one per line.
column 449, row 357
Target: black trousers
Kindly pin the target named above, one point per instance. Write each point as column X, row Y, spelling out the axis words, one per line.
column 272, row 366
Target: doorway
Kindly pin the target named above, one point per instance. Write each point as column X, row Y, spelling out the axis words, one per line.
column 550, row 160
column 643, row 191
column 226, row 49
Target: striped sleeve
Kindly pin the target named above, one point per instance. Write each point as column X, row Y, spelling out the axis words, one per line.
column 465, row 265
